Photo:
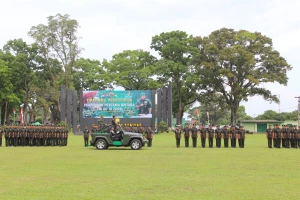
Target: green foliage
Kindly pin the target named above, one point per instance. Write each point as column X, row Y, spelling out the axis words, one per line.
column 235, row 63
column 63, row 123
column 89, row 75
column 283, row 116
column 163, row 127
column 176, row 49
column 133, row 70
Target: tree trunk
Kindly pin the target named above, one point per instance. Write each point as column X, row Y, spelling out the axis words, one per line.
column 179, row 118
column 25, row 106
column 234, row 109
column 5, row 111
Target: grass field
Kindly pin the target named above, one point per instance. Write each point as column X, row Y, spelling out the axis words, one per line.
column 160, row 172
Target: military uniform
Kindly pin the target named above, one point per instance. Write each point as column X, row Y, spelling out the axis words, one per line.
column 86, row 133
column 177, row 136
column 241, row 137
column 6, row 135
column 23, row 136
column 186, row 131
column 30, row 136
column 149, row 135
column 210, row 132
column 232, row 135
column 287, row 137
column 225, row 133
column 298, row 143
column 218, row 136
column 194, row 132
column 143, row 105
column 269, row 135
column 1, row 136
column 283, row 135
column 278, row 136
column 203, row 131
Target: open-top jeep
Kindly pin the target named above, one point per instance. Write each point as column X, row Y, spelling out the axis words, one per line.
column 104, row 139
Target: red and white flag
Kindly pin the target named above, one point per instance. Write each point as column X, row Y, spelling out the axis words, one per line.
column 197, row 113
column 21, row 116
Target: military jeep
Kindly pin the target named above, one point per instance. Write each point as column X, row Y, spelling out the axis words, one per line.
column 103, row 139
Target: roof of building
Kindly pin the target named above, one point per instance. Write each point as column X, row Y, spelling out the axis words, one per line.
column 260, row 121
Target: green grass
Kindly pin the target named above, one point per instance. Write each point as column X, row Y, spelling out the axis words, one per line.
column 160, row 172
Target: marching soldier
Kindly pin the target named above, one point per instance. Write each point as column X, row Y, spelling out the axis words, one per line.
column 86, row 133
column 218, row 136
column 232, row 135
column 149, row 135
column 203, row 132
column 194, row 132
column 177, row 135
column 241, row 137
column 210, row 132
column 225, row 136
column 269, row 134
column 186, row 131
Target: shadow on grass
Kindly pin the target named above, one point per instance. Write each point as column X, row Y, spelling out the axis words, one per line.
column 114, row 148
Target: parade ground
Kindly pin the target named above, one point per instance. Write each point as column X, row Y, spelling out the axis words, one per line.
column 160, row 172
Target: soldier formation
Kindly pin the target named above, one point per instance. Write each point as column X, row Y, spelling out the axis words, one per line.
column 210, row 134
column 283, row 137
column 34, row 135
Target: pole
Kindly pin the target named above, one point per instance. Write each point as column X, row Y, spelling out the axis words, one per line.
column 298, row 110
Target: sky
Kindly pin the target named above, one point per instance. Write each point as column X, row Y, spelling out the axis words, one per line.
column 109, row 27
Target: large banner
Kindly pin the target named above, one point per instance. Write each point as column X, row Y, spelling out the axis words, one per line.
column 122, row 104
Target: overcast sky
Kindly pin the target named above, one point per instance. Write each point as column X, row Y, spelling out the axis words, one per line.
column 109, row 27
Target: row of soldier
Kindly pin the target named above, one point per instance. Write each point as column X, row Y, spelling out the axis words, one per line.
column 34, row 135
column 283, row 137
column 211, row 133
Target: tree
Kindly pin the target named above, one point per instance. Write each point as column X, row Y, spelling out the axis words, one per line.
column 23, row 66
column 273, row 115
column 89, row 75
column 236, row 63
column 58, row 50
column 241, row 114
column 59, row 40
column 176, row 49
column 7, row 94
column 132, row 69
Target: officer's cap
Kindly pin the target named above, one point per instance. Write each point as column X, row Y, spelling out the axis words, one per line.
column 218, row 125
column 241, row 127
column 142, row 93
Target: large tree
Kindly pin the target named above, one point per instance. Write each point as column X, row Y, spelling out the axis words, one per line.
column 176, row 49
column 59, row 40
column 22, row 68
column 236, row 64
column 89, row 75
column 132, row 70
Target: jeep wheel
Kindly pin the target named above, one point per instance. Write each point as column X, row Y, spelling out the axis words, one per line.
column 101, row 144
column 136, row 144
